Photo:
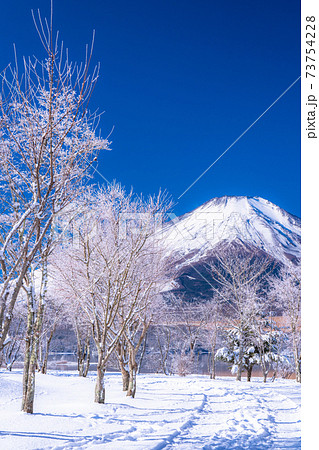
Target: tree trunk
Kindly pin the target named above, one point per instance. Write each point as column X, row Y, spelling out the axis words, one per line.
column 132, row 371
column 34, row 329
column 275, row 370
column 296, row 357
column 26, row 365
column 274, row 375
column 264, row 369
column 262, row 354
column 40, row 358
column 30, row 388
column 11, row 352
column 121, row 353
column 80, row 366
column 83, row 349
column 249, row 371
column 297, row 367
column 84, row 357
column 122, row 357
column 213, row 364
column 164, row 354
column 44, row 367
column 99, row 387
column 213, row 374
column 142, row 355
column 47, row 348
column 209, row 364
column 125, row 378
column 28, row 347
column 30, row 365
column 88, row 358
column 240, row 360
column 132, row 382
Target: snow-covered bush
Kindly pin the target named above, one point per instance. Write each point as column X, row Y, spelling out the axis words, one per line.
column 183, row 364
column 265, row 352
column 234, row 354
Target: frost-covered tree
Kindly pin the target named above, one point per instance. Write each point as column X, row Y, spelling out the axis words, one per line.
column 240, row 274
column 48, row 142
column 261, row 349
column 110, row 267
column 183, row 363
column 162, row 353
column 182, row 329
column 122, row 355
column 35, row 287
column 153, row 273
column 190, row 319
column 83, row 333
column 14, row 344
column 54, row 316
column 286, row 289
column 72, row 317
column 210, row 333
column 240, row 351
column 44, row 311
column 166, row 340
column 268, row 339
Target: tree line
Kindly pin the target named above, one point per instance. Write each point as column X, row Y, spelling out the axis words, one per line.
column 93, row 257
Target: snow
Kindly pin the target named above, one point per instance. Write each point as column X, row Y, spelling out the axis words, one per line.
column 253, row 220
column 193, row 412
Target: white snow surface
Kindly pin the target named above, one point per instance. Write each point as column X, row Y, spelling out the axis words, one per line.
column 168, row 413
column 252, row 220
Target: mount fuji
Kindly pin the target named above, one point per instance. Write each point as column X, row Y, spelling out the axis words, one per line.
column 192, row 239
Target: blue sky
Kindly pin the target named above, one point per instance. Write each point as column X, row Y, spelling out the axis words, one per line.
column 180, row 81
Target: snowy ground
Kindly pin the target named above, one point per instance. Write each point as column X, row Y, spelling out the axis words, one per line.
column 169, row 412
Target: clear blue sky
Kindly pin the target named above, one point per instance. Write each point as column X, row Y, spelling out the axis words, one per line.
column 180, row 81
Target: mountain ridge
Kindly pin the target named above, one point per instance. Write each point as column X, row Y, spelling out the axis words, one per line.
column 193, row 239
column 252, row 219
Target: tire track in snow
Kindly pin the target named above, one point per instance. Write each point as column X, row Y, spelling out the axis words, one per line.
column 241, row 419
column 185, row 426
column 84, row 441
column 169, row 413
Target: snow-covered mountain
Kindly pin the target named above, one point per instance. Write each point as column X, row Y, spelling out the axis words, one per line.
column 192, row 239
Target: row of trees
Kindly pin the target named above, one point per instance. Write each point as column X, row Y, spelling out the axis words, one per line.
column 111, row 270
column 236, row 326
column 106, row 278
column 252, row 288
column 252, row 319
column 103, row 278
column 97, row 250
column 48, row 144
column 88, row 257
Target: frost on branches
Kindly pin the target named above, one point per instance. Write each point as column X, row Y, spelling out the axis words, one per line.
column 114, row 268
column 48, row 142
column 250, row 287
column 239, row 274
column 286, row 290
column 243, row 344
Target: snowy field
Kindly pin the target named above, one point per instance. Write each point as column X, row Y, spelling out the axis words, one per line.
column 169, row 412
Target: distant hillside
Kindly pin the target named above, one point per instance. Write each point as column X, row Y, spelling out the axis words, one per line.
column 193, row 239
